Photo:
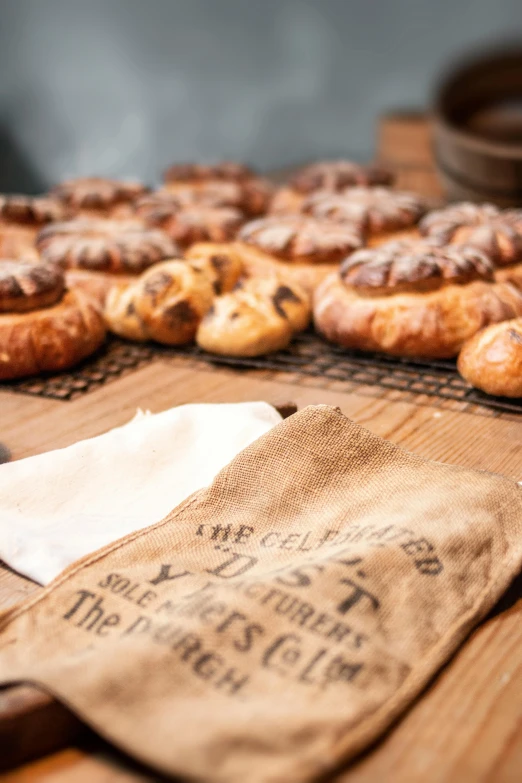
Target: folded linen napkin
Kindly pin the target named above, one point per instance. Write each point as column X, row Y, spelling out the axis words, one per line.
column 59, row 506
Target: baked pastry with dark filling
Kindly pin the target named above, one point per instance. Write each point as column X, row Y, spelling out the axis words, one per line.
column 43, row 326
column 412, row 299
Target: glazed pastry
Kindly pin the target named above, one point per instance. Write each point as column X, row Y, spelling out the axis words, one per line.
column 98, row 197
column 492, row 359
column 21, row 217
column 298, row 238
column 189, row 223
column 496, row 232
column 258, row 317
column 381, row 212
column 165, row 304
column 412, row 299
column 224, row 184
column 332, row 176
column 43, row 327
column 97, row 252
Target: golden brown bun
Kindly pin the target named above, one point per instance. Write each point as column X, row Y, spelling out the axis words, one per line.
column 492, row 359
column 96, row 284
column 50, row 339
column 166, row 304
column 259, row 317
column 300, row 239
column 221, row 263
column 406, row 234
column 497, row 233
column 97, row 195
column 335, row 175
column 433, row 324
column 189, row 223
column 400, row 267
column 105, row 245
column 18, row 242
column 29, row 285
column 377, row 210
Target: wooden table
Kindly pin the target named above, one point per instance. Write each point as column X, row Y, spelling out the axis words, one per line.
column 468, row 724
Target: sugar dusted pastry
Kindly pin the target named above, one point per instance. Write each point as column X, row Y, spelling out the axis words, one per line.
column 98, row 251
column 299, row 238
column 381, row 212
column 21, row 218
column 43, row 327
column 332, row 176
column 496, row 232
column 187, row 223
column 260, row 316
column 412, row 299
column 98, row 196
column 223, row 184
column 492, row 359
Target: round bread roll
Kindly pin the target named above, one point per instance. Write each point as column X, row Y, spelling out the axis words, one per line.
column 496, row 232
column 412, row 300
column 301, row 239
column 510, row 274
column 42, row 326
column 259, row 317
column 166, row 304
column 492, row 359
column 105, row 245
column 96, row 285
column 98, row 197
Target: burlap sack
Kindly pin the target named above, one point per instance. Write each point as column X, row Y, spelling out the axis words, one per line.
column 275, row 623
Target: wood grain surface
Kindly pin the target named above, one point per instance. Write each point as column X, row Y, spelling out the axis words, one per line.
column 467, row 726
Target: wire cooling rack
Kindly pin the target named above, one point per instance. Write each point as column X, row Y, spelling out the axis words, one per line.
column 309, row 355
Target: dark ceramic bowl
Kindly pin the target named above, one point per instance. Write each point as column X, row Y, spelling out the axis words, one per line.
column 477, row 129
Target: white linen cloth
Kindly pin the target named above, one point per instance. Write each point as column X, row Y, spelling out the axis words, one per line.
column 62, row 505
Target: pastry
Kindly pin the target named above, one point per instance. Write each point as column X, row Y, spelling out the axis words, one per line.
column 256, row 263
column 382, row 213
column 189, row 223
column 21, row 217
column 492, row 359
column 332, row 176
column 260, row 316
column 496, row 232
column 43, row 327
column 98, row 197
column 222, row 264
column 103, row 249
column 299, row 238
column 224, row 184
column 412, row 299
column 165, row 304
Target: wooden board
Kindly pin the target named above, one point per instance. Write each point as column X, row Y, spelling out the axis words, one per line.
column 468, row 725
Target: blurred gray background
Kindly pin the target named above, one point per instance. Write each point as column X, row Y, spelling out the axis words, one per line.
column 123, row 87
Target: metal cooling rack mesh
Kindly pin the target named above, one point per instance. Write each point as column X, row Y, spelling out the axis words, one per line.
column 308, row 355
